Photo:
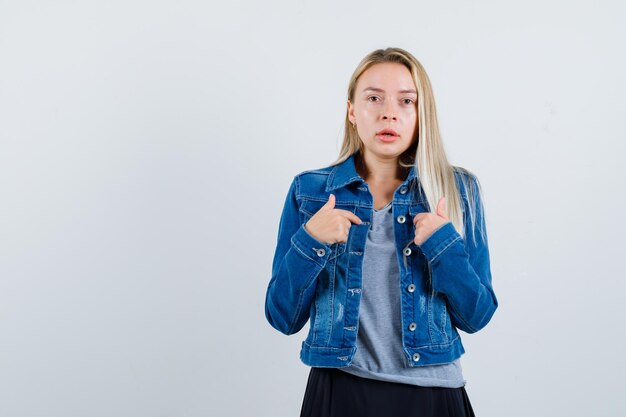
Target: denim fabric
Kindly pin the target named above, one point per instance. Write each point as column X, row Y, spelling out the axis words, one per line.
column 445, row 283
column 379, row 354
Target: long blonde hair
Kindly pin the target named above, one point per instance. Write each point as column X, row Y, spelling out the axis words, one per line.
column 427, row 154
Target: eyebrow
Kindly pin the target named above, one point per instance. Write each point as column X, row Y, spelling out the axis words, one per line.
column 380, row 90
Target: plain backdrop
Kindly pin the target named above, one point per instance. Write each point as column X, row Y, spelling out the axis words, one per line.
column 146, row 148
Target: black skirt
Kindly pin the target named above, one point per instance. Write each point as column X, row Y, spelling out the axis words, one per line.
column 331, row 392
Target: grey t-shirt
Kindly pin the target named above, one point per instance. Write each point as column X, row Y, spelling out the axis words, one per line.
column 379, row 353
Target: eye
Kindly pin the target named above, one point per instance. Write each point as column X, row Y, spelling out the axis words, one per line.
column 410, row 101
column 368, row 99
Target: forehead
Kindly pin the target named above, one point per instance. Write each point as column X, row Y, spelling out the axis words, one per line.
column 389, row 76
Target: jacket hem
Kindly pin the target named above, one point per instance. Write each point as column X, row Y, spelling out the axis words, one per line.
column 333, row 357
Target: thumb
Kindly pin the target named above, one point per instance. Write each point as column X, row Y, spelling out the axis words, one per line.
column 441, row 208
column 330, row 203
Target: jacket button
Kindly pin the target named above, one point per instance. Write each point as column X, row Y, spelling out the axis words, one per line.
column 416, row 357
column 321, row 252
column 412, row 326
column 410, row 288
column 403, row 190
column 407, row 251
column 401, row 219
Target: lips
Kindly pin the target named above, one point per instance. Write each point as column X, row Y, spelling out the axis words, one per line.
column 387, row 135
column 387, row 132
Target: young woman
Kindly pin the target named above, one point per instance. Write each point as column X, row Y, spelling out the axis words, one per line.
column 385, row 252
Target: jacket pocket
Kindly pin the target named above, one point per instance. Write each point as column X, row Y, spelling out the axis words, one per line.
column 440, row 328
column 309, row 207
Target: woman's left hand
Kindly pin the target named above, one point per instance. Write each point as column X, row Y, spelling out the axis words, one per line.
column 427, row 223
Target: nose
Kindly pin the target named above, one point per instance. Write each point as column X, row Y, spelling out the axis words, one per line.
column 389, row 111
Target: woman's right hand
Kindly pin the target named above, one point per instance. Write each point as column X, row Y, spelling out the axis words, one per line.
column 331, row 225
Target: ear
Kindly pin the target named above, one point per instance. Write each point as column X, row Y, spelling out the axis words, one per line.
column 350, row 112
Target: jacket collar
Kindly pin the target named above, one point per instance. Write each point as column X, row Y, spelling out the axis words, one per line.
column 345, row 173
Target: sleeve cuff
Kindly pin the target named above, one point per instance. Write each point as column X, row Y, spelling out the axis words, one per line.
column 310, row 247
column 440, row 240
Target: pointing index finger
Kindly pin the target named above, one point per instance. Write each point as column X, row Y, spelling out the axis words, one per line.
column 350, row 216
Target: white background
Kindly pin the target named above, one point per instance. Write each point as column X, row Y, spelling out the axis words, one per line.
column 146, row 148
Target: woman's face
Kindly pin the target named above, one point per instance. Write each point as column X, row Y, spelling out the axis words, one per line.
column 385, row 98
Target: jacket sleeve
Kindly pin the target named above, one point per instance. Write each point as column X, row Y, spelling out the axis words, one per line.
column 298, row 260
column 460, row 268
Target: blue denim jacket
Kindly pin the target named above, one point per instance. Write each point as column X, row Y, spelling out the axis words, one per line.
column 445, row 283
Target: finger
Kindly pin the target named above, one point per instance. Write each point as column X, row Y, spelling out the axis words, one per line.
column 344, row 231
column 418, row 217
column 441, row 208
column 330, row 203
column 347, row 228
column 350, row 216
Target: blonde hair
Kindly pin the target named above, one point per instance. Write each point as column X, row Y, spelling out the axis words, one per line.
column 427, row 154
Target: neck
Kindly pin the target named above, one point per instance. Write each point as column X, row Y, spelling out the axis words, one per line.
column 380, row 170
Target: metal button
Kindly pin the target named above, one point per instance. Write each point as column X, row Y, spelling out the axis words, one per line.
column 403, row 190
column 321, row 252
column 407, row 251
column 410, row 288
column 412, row 326
column 416, row 357
column 401, row 219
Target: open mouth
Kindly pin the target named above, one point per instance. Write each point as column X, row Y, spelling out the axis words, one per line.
column 387, row 133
